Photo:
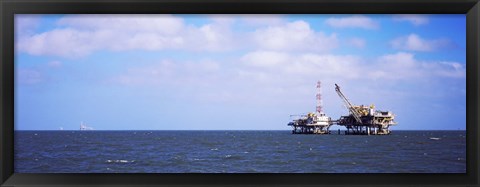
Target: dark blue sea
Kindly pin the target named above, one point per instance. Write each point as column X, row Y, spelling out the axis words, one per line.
column 238, row 152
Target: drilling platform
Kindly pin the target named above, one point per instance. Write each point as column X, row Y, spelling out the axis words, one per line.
column 362, row 120
column 312, row 123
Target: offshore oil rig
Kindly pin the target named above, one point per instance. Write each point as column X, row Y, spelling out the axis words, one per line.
column 84, row 127
column 362, row 120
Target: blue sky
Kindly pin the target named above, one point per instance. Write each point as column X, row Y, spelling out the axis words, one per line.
column 235, row 72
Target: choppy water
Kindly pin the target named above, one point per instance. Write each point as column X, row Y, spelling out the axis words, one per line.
column 238, row 152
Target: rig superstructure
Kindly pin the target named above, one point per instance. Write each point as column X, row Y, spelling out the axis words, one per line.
column 365, row 119
column 84, row 127
column 313, row 123
column 361, row 120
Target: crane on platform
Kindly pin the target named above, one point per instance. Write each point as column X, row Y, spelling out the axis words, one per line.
column 349, row 105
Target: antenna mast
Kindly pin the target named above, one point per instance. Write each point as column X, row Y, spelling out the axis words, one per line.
column 319, row 98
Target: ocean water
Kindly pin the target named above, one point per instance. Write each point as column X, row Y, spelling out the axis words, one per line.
column 238, row 152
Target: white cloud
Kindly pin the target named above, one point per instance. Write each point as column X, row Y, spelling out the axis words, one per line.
column 326, row 66
column 210, row 37
column 285, row 69
column 265, row 59
column 26, row 24
column 163, row 24
column 414, row 42
column 397, row 66
column 225, row 20
column 262, row 20
column 415, row 19
column 81, row 35
column 357, row 42
column 404, row 66
column 59, row 42
column 294, row 36
column 357, row 21
column 448, row 69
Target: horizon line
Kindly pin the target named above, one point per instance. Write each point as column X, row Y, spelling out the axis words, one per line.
column 229, row 130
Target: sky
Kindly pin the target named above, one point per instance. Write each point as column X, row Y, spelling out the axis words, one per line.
column 235, row 72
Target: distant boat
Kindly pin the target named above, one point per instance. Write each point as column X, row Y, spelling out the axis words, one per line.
column 84, row 127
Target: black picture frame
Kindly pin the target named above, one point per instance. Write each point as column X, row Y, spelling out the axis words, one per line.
column 8, row 8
